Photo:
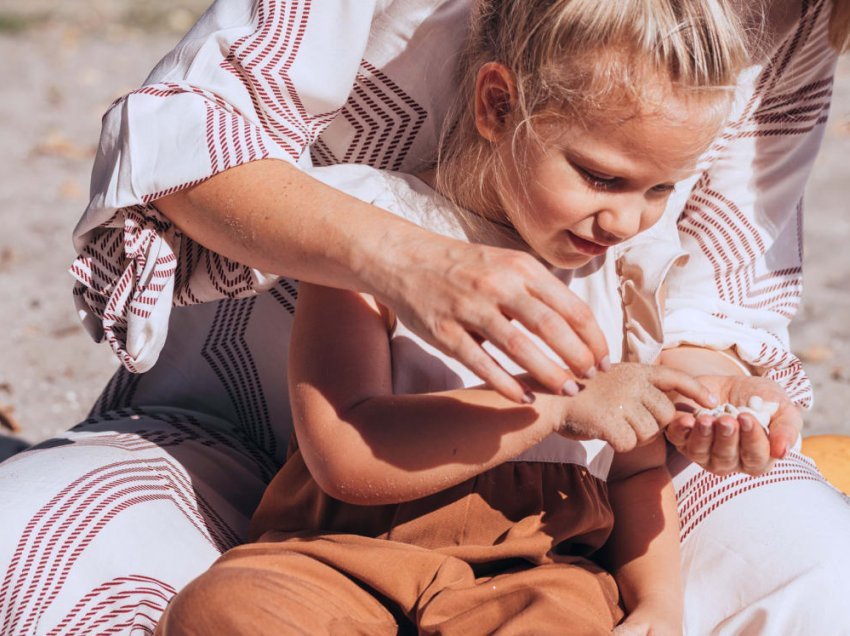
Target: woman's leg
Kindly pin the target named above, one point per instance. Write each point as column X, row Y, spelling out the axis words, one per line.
column 764, row 555
column 102, row 525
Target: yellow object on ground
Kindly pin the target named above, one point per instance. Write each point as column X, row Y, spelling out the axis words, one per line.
column 832, row 456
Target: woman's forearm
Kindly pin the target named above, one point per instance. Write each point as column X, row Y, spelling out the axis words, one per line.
column 702, row 361
column 273, row 217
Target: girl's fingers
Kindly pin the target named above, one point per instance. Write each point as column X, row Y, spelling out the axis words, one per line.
column 755, row 447
column 643, row 424
column 554, row 329
column 659, row 406
column 582, row 323
column 515, row 344
column 668, row 379
column 472, row 355
column 724, row 448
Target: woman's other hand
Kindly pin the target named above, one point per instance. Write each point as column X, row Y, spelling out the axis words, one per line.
column 725, row 444
column 628, row 406
column 456, row 295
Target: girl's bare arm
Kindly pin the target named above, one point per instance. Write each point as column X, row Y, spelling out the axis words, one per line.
column 365, row 445
column 643, row 550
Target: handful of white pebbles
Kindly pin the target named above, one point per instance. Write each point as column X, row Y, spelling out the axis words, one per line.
column 762, row 411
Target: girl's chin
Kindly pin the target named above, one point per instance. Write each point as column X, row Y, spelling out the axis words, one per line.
column 573, row 260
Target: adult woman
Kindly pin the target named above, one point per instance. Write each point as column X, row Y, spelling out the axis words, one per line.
column 171, row 481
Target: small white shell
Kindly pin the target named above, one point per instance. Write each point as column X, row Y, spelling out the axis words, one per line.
column 761, row 410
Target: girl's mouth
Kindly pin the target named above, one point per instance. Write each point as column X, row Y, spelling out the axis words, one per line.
column 588, row 248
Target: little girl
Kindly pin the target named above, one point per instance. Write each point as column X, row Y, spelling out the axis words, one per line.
column 413, row 497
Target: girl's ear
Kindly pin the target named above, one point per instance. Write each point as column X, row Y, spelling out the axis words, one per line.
column 495, row 98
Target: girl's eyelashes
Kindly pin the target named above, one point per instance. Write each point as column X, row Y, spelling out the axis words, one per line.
column 598, row 181
column 664, row 188
column 607, row 182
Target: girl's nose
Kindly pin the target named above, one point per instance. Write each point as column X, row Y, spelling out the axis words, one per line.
column 623, row 219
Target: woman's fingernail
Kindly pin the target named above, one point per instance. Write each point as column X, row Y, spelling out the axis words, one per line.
column 713, row 399
column 746, row 424
column 570, row 388
column 605, row 364
column 528, row 397
column 726, row 429
column 590, row 372
column 705, row 428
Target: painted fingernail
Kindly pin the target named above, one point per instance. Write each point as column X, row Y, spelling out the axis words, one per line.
column 590, row 372
column 528, row 397
column 605, row 364
column 570, row 388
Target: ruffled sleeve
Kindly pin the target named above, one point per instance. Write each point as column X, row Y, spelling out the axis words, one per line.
column 742, row 225
column 253, row 80
column 643, row 265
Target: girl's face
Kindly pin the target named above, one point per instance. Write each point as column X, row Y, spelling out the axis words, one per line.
column 584, row 188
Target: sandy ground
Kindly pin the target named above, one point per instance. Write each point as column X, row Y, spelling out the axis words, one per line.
column 61, row 64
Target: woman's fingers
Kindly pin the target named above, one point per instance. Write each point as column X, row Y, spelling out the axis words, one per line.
column 724, row 447
column 698, row 446
column 472, row 355
column 755, row 447
column 785, row 427
column 680, row 429
column 580, row 325
column 668, row 379
column 520, row 348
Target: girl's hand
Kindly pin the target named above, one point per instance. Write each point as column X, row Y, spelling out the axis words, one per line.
column 628, row 406
column 726, row 444
column 456, row 295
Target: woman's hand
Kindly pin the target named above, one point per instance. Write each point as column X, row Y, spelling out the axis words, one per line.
column 273, row 217
column 726, row 444
column 628, row 406
column 457, row 295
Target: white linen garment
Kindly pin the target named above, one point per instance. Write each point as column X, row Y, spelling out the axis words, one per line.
column 102, row 524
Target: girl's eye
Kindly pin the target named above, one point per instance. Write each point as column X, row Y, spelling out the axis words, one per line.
column 598, row 181
column 664, row 188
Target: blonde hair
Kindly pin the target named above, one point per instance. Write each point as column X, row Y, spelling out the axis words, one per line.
column 584, row 59
column 839, row 25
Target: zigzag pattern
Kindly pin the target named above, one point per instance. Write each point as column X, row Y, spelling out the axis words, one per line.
column 792, row 109
column 262, row 60
column 286, row 293
column 117, row 393
column 385, row 121
column 705, row 492
column 782, row 113
column 184, row 428
column 734, row 247
column 230, row 358
column 125, row 604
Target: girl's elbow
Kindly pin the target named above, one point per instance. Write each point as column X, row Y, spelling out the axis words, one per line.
column 351, row 483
